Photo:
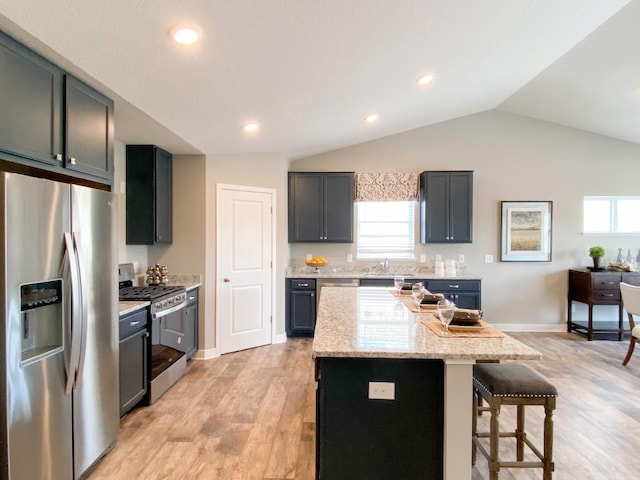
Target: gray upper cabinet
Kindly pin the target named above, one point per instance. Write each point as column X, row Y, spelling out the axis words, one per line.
column 321, row 207
column 31, row 98
column 446, row 207
column 88, row 130
column 51, row 120
column 149, row 195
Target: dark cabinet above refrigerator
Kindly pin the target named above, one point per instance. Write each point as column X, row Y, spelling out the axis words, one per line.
column 56, row 123
column 149, row 195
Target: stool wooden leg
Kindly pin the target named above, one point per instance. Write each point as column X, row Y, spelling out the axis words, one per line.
column 548, row 439
column 520, row 434
column 494, row 438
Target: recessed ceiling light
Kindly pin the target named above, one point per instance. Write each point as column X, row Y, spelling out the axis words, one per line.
column 372, row 118
column 251, row 127
column 425, row 79
column 185, row 35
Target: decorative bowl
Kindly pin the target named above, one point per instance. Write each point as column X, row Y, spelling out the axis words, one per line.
column 317, row 262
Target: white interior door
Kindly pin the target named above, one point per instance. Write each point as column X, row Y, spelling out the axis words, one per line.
column 244, row 276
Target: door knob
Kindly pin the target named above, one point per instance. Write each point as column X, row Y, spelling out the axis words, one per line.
column 226, row 280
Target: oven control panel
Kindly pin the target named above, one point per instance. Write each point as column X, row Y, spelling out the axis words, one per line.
column 167, row 303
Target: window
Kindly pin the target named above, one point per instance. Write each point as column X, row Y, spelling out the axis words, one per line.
column 385, row 229
column 612, row 215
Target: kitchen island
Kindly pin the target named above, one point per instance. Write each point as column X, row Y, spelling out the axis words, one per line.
column 394, row 398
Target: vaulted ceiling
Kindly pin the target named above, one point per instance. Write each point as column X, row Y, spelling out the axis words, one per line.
column 309, row 71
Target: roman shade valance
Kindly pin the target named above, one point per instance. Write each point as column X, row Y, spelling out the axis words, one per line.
column 387, row 187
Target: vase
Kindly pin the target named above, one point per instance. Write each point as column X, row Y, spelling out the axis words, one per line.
column 596, row 262
column 619, row 257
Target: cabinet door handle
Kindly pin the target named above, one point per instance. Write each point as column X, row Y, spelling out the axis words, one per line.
column 313, row 294
column 192, row 298
column 72, row 160
column 454, row 286
column 303, row 284
column 133, row 324
column 607, row 283
column 607, row 294
column 226, row 280
column 58, row 157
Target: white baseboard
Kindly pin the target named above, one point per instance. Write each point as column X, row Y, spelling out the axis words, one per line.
column 280, row 338
column 207, row 354
column 535, row 327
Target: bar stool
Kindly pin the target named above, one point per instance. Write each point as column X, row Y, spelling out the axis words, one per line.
column 512, row 384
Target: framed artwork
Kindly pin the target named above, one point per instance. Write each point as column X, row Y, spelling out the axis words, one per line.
column 526, row 232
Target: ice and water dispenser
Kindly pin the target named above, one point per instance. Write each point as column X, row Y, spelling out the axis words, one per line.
column 41, row 319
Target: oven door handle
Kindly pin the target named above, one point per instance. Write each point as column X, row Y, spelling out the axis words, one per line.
column 169, row 311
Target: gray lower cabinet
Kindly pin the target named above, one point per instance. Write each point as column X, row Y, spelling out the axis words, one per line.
column 321, row 207
column 51, row 120
column 191, row 323
column 446, row 207
column 133, row 359
column 464, row 293
column 301, row 306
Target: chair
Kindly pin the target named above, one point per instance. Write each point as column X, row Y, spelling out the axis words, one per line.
column 631, row 301
column 503, row 384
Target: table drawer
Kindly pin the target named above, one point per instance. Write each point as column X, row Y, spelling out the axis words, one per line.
column 605, row 281
column 632, row 278
column 606, row 295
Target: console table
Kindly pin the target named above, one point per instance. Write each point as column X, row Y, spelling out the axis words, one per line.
column 597, row 288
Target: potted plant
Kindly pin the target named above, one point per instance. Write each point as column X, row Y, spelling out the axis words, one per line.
column 596, row 253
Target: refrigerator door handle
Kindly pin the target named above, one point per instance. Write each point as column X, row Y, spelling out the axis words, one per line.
column 84, row 308
column 75, row 335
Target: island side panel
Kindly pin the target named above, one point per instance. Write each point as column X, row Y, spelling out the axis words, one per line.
column 363, row 438
column 458, row 394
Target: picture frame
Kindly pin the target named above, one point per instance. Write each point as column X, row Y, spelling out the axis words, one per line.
column 526, row 231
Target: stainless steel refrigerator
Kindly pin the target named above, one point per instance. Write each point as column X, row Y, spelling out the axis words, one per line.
column 59, row 389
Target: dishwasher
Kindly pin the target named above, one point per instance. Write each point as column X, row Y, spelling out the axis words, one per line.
column 334, row 282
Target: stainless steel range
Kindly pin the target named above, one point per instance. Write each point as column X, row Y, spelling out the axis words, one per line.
column 167, row 361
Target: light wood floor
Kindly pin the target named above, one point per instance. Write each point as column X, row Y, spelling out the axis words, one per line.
column 251, row 415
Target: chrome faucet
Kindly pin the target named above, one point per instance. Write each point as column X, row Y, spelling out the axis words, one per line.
column 385, row 265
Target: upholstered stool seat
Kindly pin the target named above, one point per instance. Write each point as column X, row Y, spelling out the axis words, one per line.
column 512, row 384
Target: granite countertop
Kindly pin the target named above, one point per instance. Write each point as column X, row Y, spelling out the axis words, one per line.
column 327, row 273
column 188, row 281
column 369, row 322
column 130, row 307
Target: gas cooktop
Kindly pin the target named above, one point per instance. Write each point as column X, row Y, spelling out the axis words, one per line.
column 150, row 292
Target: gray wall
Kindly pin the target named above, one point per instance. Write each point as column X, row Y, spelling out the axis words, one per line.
column 514, row 158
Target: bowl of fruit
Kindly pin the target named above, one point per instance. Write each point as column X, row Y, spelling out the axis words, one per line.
column 317, row 262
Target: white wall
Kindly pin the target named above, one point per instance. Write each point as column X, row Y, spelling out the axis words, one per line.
column 255, row 170
column 194, row 229
column 187, row 254
column 514, row 158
